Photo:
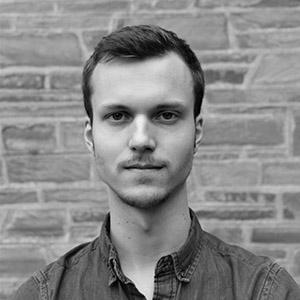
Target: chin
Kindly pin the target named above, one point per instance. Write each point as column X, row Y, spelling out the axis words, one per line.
column 143, row 198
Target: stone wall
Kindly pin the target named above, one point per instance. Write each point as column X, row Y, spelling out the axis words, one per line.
column 245, row 185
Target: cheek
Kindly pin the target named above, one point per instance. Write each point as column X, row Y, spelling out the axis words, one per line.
column 104, row 155
column 104, row 161
column 107, row 147
column 182, row 144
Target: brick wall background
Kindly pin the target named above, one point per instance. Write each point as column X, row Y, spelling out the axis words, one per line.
column 245, row 185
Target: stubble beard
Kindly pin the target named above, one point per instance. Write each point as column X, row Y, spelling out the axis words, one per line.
column 144, row 198
column 144, row 201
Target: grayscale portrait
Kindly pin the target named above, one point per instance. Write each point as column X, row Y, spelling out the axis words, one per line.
column 149, row 150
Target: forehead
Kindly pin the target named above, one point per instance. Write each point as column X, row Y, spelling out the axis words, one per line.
column 155, row 79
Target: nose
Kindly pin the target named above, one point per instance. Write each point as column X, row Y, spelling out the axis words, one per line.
column 141, row 138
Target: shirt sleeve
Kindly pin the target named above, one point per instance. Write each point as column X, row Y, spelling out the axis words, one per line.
column 27, row 291
column 282, row 287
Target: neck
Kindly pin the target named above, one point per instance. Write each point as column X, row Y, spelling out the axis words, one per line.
column 142, row 236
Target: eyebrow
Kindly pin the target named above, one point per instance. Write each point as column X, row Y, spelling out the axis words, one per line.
column 169, row 105
column 114, row 106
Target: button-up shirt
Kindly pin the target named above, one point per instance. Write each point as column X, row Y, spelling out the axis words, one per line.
column 204, row 268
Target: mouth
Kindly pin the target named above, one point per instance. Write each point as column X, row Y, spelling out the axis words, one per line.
column 139, row 166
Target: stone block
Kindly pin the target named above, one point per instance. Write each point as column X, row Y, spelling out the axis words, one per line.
column 1, row 172
column 254, row 197
column 27, row 138
column 54, row 168
column 232, row 76
column 264, row 154
column 218, row 3
column 278, row 69
column 22, row 81
column 20, row 260
column 227, row 234
column 93, row 6
column 7, row 288
column 66, row 80
column 5, row 23
column 63, row 22
column 296, row 264
column 216, row 154
column 236, row 213
column 254, row 95
column 92, row 38
column 3, row 214
column 26, row 7
column 277, row 3
column 263, row 19
column 235, row 57
column 17, row 196
column 275, row 253
column 244, row 111
column 36, row 223
column 77, row 195
column 57, row 97
column 71, row 134
column 41, row 110
column 142, row 5
column 226, row 173
column 54, row 49
column 283, row 173
column 279, row 39
column 291, row 205
column 173, row 4
column 258, row 131
column 87, row 214
column 204, row 32
column 296, row 136
column 276, row 234
column 249, row 3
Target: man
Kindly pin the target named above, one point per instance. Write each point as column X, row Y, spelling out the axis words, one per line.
column 143, row 89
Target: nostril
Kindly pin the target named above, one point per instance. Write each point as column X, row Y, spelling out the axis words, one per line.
column 142, row 147
column 142, row 144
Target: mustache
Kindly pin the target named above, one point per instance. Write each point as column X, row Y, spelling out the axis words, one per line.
column 144, row 162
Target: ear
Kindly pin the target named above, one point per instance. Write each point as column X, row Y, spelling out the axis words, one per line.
column 198, row 132
column 88, row 136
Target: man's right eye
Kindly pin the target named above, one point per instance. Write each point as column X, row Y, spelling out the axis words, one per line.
column 117, row 117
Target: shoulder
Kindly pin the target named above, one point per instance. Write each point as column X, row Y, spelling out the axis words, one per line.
column 281, row 286
column 29, row 290
column 76, row 255
column 256, row 276
column 74, row 258
column 50, row 275
column 227, row 252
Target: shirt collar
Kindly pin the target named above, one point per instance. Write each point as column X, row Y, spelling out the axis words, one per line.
column 184, row 260
column 109, row 253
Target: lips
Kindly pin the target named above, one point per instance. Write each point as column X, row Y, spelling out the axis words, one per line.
column 140, row 166
column 143, row 165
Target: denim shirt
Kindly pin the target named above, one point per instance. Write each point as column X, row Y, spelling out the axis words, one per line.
column 204, row 268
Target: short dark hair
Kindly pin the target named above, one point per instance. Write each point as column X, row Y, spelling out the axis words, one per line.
column 139, row 43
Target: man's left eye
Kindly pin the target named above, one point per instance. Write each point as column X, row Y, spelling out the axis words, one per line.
column 117, row 116
column 167, row 116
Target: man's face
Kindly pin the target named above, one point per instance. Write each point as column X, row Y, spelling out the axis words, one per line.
column 144, row 130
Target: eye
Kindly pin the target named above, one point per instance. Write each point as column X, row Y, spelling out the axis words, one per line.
column 117, row 117
column 167, row 116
